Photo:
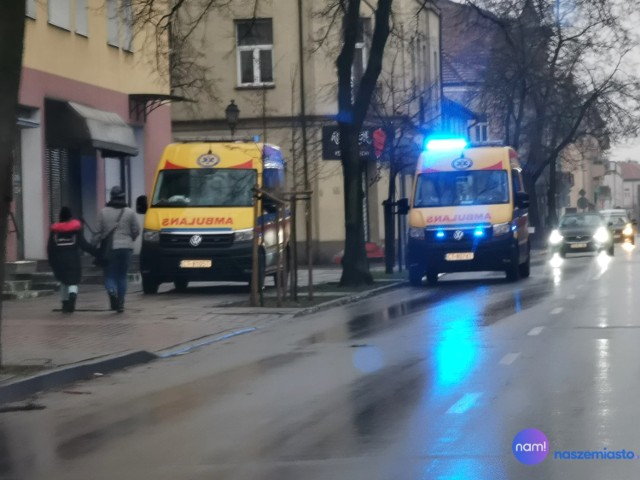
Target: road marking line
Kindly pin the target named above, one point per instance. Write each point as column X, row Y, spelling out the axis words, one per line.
column 535, row 331
column 509, row 358
column 467, row 401
column 557, row 311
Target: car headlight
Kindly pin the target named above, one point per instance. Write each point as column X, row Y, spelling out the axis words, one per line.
column 152, row 236
column 416, row 233
column 601, row 235
column 501, row 228
column 243, row 235
column 555, row 238
column 628, row 231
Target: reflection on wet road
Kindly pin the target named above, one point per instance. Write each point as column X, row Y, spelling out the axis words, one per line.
column 426, row 383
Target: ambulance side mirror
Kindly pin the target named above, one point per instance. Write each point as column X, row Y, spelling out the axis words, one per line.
column 522, row 200
column 142, row 204
column 403, row 206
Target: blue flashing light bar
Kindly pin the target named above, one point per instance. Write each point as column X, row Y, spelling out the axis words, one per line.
column 478, row 232
column 446, row 144
column 440, row 234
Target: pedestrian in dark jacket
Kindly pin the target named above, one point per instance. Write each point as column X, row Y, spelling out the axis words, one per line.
column 64, row 249
column 119, row 220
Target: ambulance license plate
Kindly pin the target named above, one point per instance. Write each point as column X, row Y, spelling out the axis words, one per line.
column 578, row 245
column 196, row 263
column 454, row 257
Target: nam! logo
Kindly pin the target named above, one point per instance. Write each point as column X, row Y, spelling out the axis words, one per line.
column 530, row 446
column 462, row 163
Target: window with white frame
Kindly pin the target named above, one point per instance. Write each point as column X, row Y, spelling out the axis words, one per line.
column 481, row 132
column 31, row 8
column 127, row 25
column 361, row 54
column 81, row 18
column 113, row 23
column 255, row 52
column 60, row 13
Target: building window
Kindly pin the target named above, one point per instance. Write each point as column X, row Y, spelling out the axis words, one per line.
column 255, row 52
column 81, row 18
column 481, row 133
column 31, row 8
column 127, row 25
column 113, row 25
column 60, row 14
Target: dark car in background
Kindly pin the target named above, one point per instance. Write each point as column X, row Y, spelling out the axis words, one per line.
column 581, row 232
column 623, row 229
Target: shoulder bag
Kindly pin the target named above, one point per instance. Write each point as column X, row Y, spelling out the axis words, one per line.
column 103, row 251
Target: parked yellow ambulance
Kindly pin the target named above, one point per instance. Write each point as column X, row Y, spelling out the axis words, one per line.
column 468, row 212
column 199, row 221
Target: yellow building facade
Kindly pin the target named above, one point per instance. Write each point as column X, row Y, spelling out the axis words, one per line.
column 92, row 115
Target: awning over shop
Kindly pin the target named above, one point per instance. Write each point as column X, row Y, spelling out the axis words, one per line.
column 106, row 130
column 70, row 124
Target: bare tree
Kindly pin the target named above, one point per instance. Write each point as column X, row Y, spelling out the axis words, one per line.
column 352, row 110
column 12, row 20
column 556, row 77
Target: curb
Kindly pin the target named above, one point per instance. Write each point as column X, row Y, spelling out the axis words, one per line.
column 17, row 390
column 349, row 299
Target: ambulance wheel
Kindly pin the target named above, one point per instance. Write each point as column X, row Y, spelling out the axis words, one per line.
column 415, row 276
column 181, row 285
column 432, row 277
column 525, row 268
column 149, row 285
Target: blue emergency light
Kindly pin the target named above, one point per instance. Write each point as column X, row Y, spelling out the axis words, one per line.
column 478, row 232
column 446, row 144
column 440, row 234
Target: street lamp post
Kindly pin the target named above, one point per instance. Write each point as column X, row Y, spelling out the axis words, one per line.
column 232, row 112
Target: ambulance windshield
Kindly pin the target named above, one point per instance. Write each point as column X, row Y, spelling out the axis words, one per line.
column 199, row 187
column 478, row 187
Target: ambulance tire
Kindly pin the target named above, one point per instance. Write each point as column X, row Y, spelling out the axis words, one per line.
column 181, row 285
column 149, row 285
column 525, row 268
column 415, row 276
column 432, row 277
column 513, row 270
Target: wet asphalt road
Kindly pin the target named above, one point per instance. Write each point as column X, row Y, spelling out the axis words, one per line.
column 429, row 383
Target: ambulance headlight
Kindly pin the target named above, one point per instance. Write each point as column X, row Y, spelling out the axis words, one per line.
column 628, row 231
column 151, row 236
column 244, row 235
column 501, row 229
column 417, row 233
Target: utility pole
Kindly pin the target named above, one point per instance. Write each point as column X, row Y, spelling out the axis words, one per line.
column 305, row 156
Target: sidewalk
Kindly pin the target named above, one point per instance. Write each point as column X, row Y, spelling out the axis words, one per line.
column 35, row 334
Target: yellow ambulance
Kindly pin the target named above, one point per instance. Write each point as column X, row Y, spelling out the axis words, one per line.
column 199, row 221
column 468, row 212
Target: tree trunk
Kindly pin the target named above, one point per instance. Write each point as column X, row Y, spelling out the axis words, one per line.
column 355, row 265
column 12, row 19
column 534, row 211
column 389, row 224
column 552, row 220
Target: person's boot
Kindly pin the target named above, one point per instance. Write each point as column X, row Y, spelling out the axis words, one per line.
column 72, row 302
column 120, row 308
column 113, row 301
column 65, row 306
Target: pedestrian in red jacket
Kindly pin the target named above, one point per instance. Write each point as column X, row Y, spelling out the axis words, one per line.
column 66, row 241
